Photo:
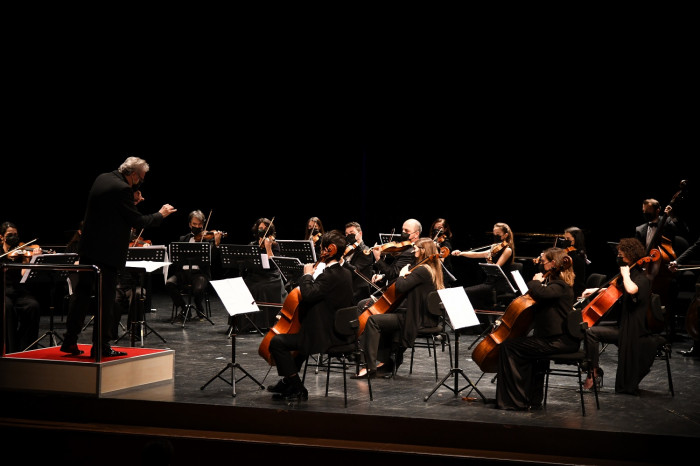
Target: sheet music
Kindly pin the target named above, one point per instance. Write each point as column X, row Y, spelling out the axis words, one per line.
column 458, row 307
column 265, row 260
column 520, row 281
column 235, row 296
column 150, row 266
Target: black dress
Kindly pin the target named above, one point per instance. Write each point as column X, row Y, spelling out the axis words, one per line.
column 520, row 367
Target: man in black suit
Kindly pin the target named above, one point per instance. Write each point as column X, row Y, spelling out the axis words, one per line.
column 110, row 214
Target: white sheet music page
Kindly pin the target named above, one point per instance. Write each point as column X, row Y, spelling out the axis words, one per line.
column 522, row 286
column 458, row 307
column 235, row 296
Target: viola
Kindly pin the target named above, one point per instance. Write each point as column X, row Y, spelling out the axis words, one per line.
column 610, row 293
column 515, row 322
column 390, row 299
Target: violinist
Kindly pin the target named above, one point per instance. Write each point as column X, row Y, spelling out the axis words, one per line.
column 181, row 276
column 575, row 245
column 501, row 252
column 636, row 345
column 388, row 266
column 442, row 235
column 265, row 284
column 314, row 231
column 320, row 298
column 358, row 262
column 23, row 311
column 393, row 332
column 520, row 376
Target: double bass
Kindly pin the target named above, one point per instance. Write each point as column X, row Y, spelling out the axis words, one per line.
column 515, row 322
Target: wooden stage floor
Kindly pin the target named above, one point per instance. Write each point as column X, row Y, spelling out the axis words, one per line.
column 198, row 413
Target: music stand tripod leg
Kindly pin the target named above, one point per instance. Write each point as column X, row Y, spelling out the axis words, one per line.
column 50, row 333
column 233, row 365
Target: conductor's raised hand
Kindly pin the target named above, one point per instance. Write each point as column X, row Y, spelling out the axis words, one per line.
column 166, row 210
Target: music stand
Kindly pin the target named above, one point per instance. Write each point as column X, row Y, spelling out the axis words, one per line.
column 303, row 250
column 388, row 237
column 232, row 256
column 51, row 276
column 142, row 260
column 191, row 254
column 462, row 315
column 495, row 271
column 236, row 298
column 290, row 268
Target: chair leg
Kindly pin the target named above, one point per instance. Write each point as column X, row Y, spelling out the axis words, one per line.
column 434, row 357
column 580, row 389
column 667, row 351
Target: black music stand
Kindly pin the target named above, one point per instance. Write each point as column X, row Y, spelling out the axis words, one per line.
column 291, row 268
column 388, row 238
column 303, row 250
column 138, row 324
column 189, row 255
column 233, row 256
column 52, row 277
column 462, row 315
column 236, row 298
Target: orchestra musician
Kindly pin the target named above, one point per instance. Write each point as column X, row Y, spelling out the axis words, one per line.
column 397, row 330
column 23, row 311
column 265, row 284
column 520, row 376
column 501, row 252
column 575, row 244
column 314, row 231
column 636, row 345
column 358, row 261
column 442, row 235
column 388, row 266
column 109, row 216
column 180, row 276
column 320, row 298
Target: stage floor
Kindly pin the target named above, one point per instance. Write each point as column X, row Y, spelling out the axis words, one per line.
column 650, row 428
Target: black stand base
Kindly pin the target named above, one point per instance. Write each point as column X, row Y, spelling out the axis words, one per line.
column 187, row 311
column 139, row 330
column 52, row 339
column 233, row 365
column 232, row 328
column 455, row 371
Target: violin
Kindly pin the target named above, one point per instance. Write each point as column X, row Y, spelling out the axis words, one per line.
column 515, row 322
column 208, row 235
column 610, row 293
column 351, row 247
column 391, row 247
column 23, row 251
column 495, row 250
column 140, row 242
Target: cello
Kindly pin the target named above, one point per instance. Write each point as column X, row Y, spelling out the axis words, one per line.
column 288, row 318
column 390, row 299
column 515, row 322
column 610, row 293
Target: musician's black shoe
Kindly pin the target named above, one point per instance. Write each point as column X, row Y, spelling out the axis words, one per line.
column 364, row 374
column 293, row 390
column 279, row 387
column 693, row 352
column 107, row 352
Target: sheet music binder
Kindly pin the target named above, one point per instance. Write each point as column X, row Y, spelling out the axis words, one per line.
column 39, row 275
column 303, row 250
column 495, row 270
column 388, row 238
column 150, row 253
column 233, row 254
column 290, row 268
column 191, row 253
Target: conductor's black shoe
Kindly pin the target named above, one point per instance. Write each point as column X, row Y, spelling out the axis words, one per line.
column 71, row 348
column 279, row 387
column 107, row 352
